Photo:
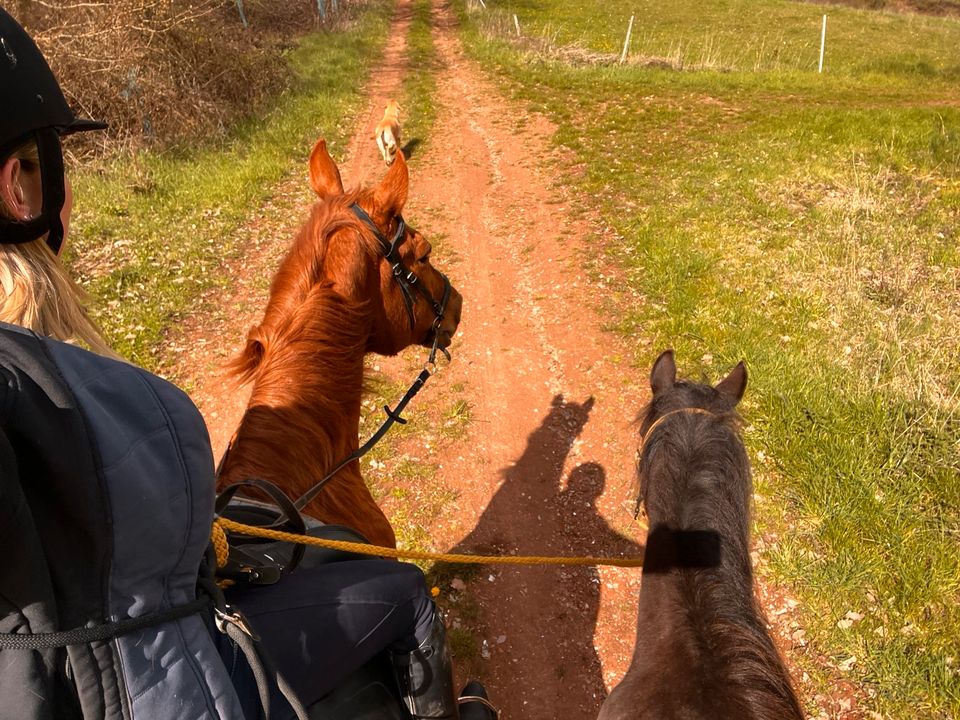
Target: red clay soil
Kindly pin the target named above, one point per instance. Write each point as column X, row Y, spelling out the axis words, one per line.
column 546, row 465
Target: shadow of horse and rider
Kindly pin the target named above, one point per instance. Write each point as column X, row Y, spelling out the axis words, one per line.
column 541, row 620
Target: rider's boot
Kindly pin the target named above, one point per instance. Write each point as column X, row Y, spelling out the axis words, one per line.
column 474, row 704
column 426, row 682
column 425, row 677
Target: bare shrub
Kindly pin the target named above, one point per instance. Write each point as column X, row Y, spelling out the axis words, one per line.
column 158, row 70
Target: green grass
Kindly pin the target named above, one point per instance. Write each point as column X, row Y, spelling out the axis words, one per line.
column 806, row 223
column 407, row 486
column 733, row 35
column 150, row 232
column 456, row 419
column 420, row 81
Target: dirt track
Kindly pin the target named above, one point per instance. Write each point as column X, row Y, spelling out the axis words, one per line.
column 549, row 456
column 548, row 460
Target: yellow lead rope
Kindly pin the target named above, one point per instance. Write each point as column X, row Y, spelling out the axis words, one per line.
column 219, row 539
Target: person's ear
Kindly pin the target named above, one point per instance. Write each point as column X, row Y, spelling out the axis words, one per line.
column 11, row 191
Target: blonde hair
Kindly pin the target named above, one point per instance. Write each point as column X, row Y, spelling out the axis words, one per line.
column 36, row 291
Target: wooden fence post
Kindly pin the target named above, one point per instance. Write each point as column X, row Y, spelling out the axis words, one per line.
column 626, row 43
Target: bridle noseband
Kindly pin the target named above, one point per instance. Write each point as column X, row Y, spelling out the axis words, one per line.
column 407, row 279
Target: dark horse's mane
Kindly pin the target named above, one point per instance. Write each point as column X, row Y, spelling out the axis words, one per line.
column 695, row 484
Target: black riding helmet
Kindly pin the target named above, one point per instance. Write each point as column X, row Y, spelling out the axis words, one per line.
column 34, row 108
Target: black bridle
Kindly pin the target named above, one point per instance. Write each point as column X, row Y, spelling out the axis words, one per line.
column 407, row 280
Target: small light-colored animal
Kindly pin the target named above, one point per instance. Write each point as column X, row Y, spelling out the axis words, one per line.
column 387, row 133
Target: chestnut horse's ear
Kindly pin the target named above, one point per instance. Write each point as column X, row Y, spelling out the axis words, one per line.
column 391, row 194
column 733, row 385
column 324, row 175
column 664, row 373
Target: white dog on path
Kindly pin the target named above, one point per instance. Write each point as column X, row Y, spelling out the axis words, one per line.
column 387, row 133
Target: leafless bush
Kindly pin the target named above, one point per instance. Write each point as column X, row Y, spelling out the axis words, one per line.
column 163, row 69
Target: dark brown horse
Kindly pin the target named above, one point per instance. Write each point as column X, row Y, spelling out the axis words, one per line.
column 702, row 649
column 356, row 280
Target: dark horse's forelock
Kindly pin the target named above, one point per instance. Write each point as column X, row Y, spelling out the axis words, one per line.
column 703, row 650
column 672, row 447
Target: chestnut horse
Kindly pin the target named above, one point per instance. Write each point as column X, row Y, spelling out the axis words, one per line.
column 702, row 649
column 356, row 280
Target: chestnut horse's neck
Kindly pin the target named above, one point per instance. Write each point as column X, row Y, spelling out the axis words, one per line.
column 304, row 409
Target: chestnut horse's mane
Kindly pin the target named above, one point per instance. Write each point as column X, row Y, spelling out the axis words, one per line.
column 301, row 302
column 312, row 333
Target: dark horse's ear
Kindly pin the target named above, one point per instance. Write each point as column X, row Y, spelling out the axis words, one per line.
column 391, row 194
column 664, row 373
column 733, row 385
column 324, row 175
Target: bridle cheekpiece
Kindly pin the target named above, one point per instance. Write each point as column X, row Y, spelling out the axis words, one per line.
column 407, row 279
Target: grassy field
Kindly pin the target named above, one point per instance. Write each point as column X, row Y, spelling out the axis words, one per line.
column 733, row 35
column 150, row 231
column 807, row 223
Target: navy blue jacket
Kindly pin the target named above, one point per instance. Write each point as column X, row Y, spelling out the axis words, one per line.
column 106, row 501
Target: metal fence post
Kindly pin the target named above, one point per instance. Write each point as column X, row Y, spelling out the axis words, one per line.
column 823, row 42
